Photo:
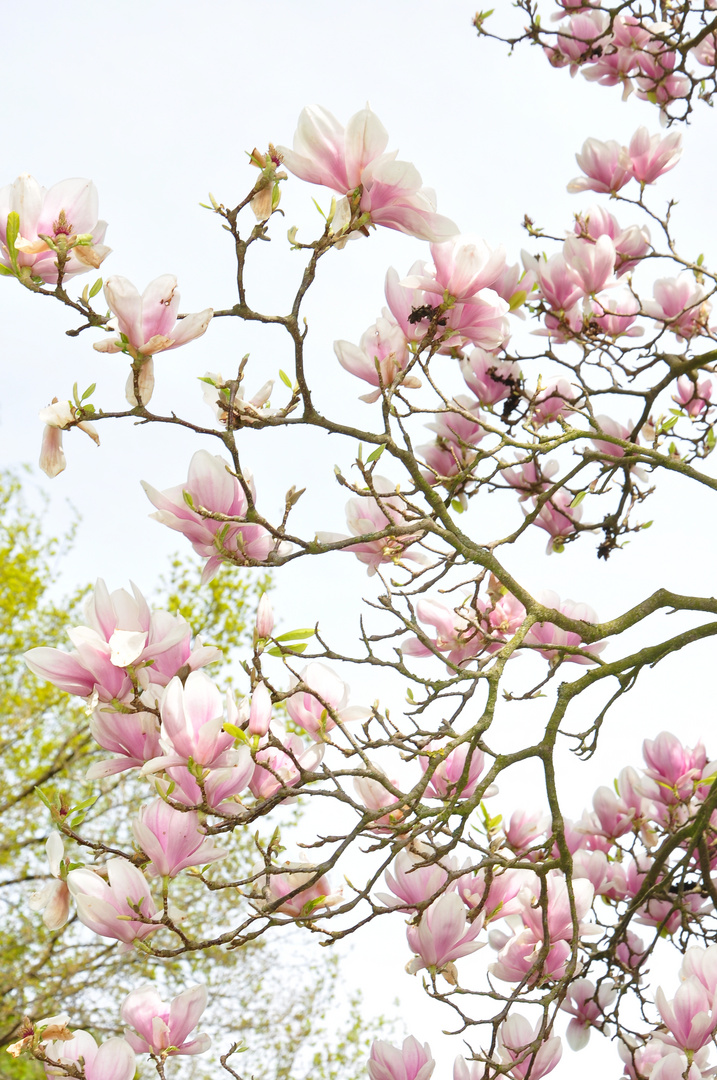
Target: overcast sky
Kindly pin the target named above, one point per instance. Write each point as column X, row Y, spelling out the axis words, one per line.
column 158, row 103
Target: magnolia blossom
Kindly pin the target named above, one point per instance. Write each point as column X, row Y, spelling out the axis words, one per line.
column 173, row 839
column 481, row 321
column 675, row 768
column 132, row 737
column 113, row 1060
column 353, row 162
column 375, row 796
column 496, row 894
column 516, row 1035
column 211, row 486
column 291, row 879
column 690, row 1017
column 379, row 358
column 308, row 708
column 54, row 897
column 412, row 1062
column 155, row 1026
column 280, row 766
column 614, row 313
column 558, row 517
column 653, row 155
column 631, row 244
column 105, row 907
column 366, row 514
column 693, row 396
column 491, row 379
column 415, row 878
column 679, row 303
column 122, row 643
column 149, row 321
column 57, row 417
column 606, row 166
column 442, row 934
column 222, row 397
column 462, row 267
column 586, row 1005
column 550, row 638
column 456, row 775
column 61, row 219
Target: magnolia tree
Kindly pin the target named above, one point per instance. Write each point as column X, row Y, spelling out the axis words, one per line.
column 570, row 912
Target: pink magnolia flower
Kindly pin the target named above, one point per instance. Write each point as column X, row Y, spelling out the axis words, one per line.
column 291, row 878
column 690, row 1017
column 556, row 400
column 468, row 1070
column 614, row 313
column 364, row 515
column 516, row 1035
column 496, row 899
column 705, row 52
column 121, row 642
column 149, row 322
column 415, row 878
column 701, row 964
column 455, row 634
column 307, row 708
column 456, row 775
column 228, row 776
column 594, row 263
column 462, row 267
column 606, row 167
column 551, row 638
column 693, row 396
column 518, row 958
column 54, row 897
column 210, row 486
column 675, row 768
column 631, row 244
column 608, row 426
column 531, row 477
column 157, row 1026
column 52, row 458
column 105, row 907
column 558, row 517
column 586, row 1005
column 680, row 303
column 353, row 159
column 264, row 617
column 458, row 433
column 524, row 830
column 173, row 839
column 113, row 1060
column 132, row 737
column 193, row 722
column 442, row 934
column 379, row 358
column 657, row 81
column 559, row 285
column 260, row 710
column 281, row 766
column 480, row 322
column 607, row 879
column 577, row 42
column 375, row 796
column 652, row 155
column 560, row 919
column 412, row 1062
column 491, row 379
column 65, row 215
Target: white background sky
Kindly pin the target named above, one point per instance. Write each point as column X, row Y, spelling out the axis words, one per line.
column 158, row 103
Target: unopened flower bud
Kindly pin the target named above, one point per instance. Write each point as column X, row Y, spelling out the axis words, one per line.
column 264, row 617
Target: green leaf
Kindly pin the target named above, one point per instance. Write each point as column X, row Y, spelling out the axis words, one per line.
column 288, row 649
column 376, row 454
column 232, row 729
column 457, row 505
column 96, row 287
column 5, row 271
column 578, row 499
column 13, row 231
column 90, row 390
column 295, row 635
column 285, row 378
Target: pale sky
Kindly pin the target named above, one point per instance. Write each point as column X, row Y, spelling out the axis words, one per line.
column 158, row 103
